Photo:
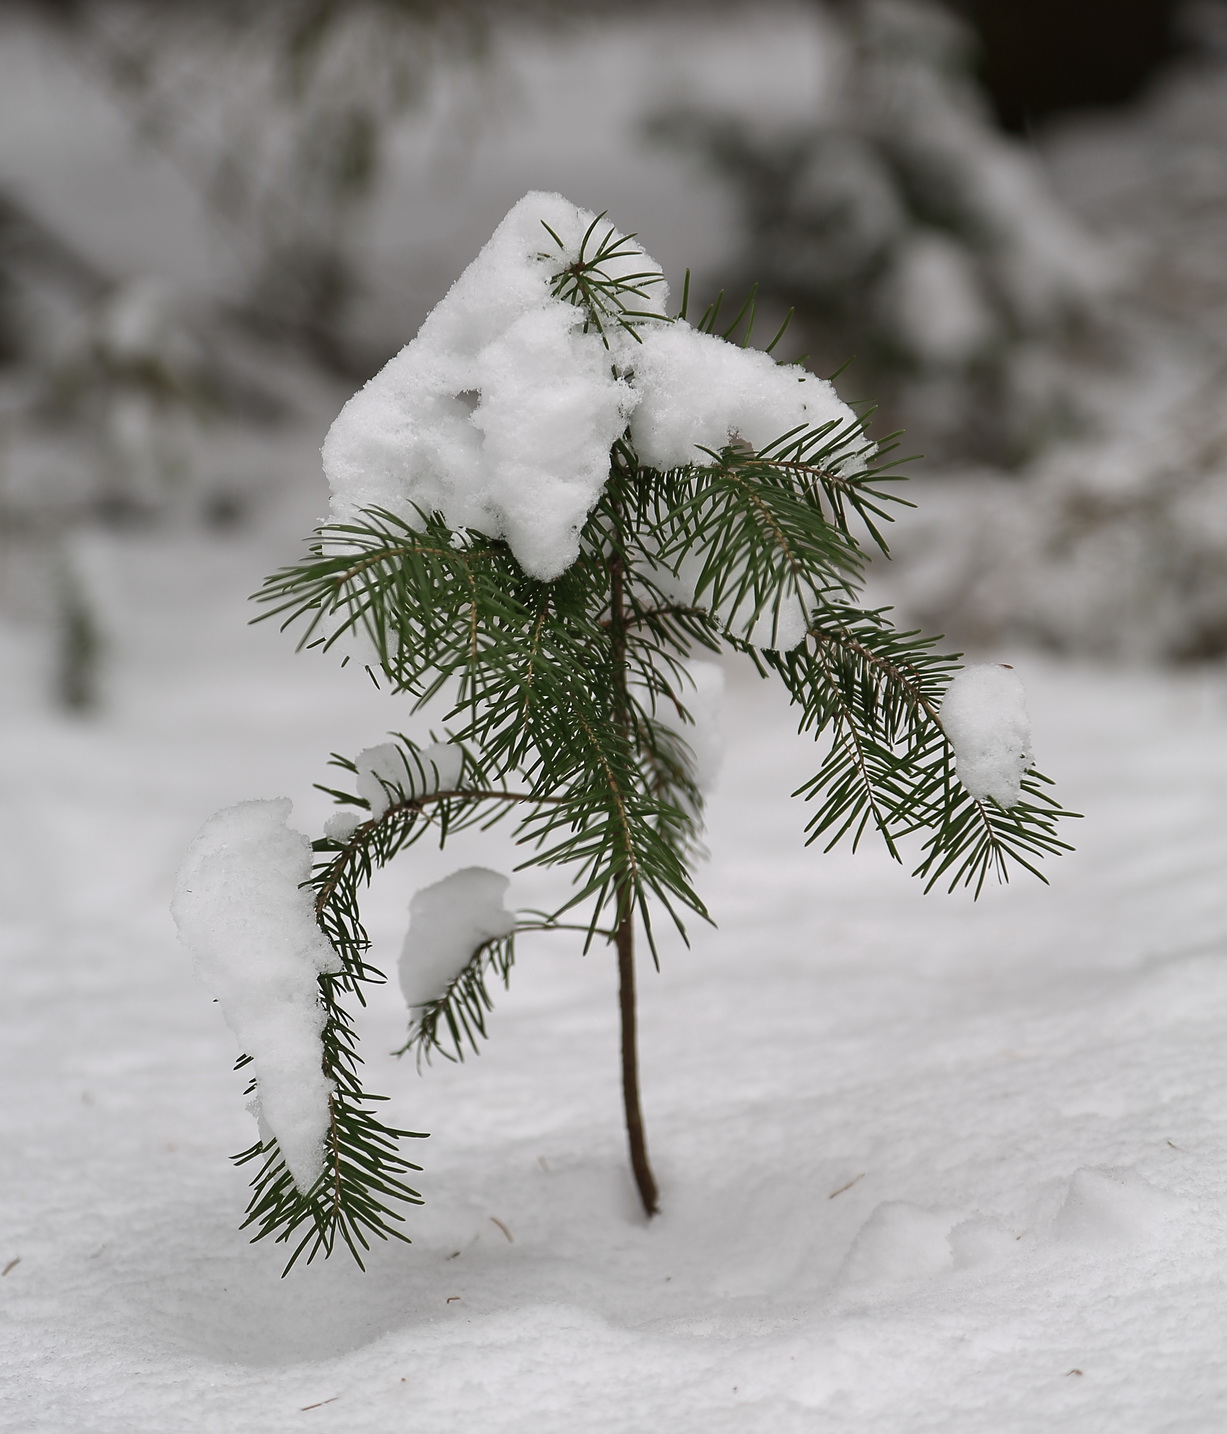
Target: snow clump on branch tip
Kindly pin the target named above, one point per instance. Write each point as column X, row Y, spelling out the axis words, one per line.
column 502, row 412
column 984, row 714
column 448, row 923
column 390, row 772
column 244, row 914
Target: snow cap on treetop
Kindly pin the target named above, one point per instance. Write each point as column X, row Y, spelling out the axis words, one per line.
column 501, row 413
column 698, row 391
column 984, row 714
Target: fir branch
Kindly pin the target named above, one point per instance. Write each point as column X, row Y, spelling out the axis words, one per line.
column 459, row 1014
column 890, row 765
column 606, row 299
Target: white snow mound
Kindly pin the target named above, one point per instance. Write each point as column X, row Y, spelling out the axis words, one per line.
column 242, row 912
column 699, row 391
column 985, row 716
column 1109, row 1204
column 447, row 923
column 501, row 413
column 898, row 1243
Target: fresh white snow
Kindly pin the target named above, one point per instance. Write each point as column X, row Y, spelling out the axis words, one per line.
column 448, row 921
column 701, row 693
column 700, row 392
column 984, row 713
column 390, row 769
column 840, row 1046
column 242, row 913
column 501, row 413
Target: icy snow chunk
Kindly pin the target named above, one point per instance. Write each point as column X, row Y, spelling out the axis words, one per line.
column 501, row 413
column 390, row 768
column 1113, row 1204
column 242, row 912
column 699, row 391
column 985, row 716
column 447, row 923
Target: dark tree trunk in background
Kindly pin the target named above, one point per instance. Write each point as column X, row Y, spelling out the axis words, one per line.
column 1040, row 57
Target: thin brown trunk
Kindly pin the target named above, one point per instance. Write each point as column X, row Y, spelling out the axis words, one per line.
column 644, row 1179
column 624, row 940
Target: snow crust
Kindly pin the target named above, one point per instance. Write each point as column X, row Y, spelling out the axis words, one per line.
column 448, row 921
column 984, row 714
column 241, row 911
column 389, row 769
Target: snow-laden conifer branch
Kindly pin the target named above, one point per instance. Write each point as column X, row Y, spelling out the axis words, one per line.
column 457, row 1018
column 891, row 765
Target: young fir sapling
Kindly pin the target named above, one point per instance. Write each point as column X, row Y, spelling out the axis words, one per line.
column 542, row 509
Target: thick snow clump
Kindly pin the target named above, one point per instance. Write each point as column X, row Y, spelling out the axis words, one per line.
column 701, row 392
column 501, row 413
column 241, row 910
column 985, row 716
column 447, row 923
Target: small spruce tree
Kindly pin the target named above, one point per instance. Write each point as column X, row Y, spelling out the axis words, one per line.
column 558, row 637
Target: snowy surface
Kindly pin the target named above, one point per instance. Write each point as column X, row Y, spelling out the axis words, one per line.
column 984, row 713
column 448, row 921
column 241, row 911
column 703, row 698
column 920, row 1160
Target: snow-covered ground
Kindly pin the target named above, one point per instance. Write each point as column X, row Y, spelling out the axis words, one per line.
column 925, row 1165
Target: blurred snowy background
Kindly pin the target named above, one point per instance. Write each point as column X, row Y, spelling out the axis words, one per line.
column 1010, row 222
column 216, row 221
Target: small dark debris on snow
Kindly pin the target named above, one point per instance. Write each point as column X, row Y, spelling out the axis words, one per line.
column 848, row 1186
column 12, row 1265
column 504, row 1229
column 320, row 1405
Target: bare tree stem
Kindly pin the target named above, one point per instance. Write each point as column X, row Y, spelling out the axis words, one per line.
column 645, row 1181
column 624, row 937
